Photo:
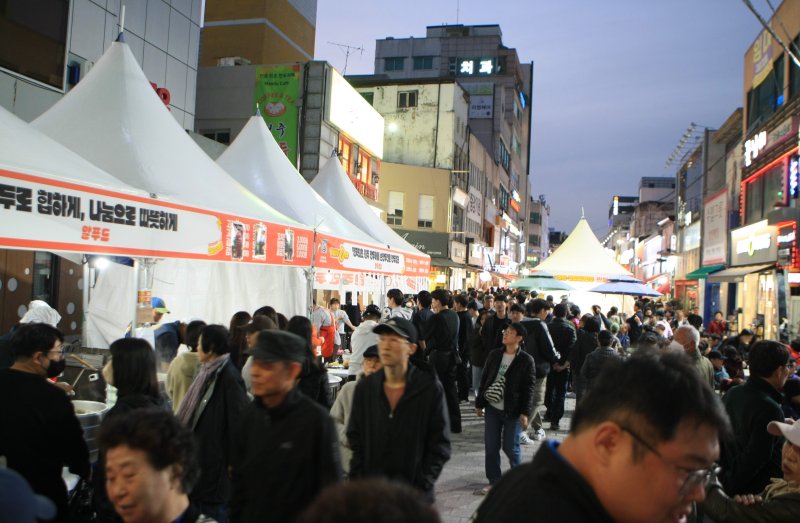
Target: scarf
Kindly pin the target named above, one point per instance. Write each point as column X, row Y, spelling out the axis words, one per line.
column 779, row 487
column 192, row 398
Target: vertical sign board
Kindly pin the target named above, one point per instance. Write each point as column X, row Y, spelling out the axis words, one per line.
column 276, row 93
column 715, row 229
column 481, row 99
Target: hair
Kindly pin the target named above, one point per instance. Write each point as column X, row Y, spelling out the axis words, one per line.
column 766, row 356
column 159, row 434
column 333, row 300
column 31, row 338
column 517, row 307
column 283, row 321
column 590, row 323
column 371, row 500
column 193, row 331
column 746, row 332
column 473, row 305
column 488, row 296
column 134, row 367
column 215, row 339
column 604, row 337
column 549, row 297
column 238, row 336
column 653, row 393
column 302, row 326
column 269, row 312
column 612, row 311
column 396, row 295
column 239, row 319
column 444, row 296
column 693, row 333
column 461, row 299
column 371, row 311
column 538, row 305
column 575, row 310
column 695, row 320
column 560, row 310
column 501, row 297
column 615, row 328
column 520, row 328
column 425, row 299
column 718, row 312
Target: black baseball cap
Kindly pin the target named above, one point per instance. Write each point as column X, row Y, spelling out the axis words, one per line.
column 400, row 326
column 715, row 355
column 371, row 352
column 275, row 345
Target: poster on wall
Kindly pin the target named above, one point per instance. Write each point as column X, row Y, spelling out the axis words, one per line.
column 715, row 229
column 481, row 99
column 276, row 93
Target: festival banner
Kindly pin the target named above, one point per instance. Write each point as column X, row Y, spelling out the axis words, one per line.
column 335, row 253
column 40, row 213
column 276, row 93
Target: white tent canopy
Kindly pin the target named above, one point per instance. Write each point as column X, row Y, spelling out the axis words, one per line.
column 582, row 255
column 333, row 184
column 256, row 161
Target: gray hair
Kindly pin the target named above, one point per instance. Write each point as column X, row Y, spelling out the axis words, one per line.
column 693, row 333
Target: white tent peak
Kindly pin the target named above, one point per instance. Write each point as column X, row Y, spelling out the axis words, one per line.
column 114, row 119
column 333, row 184
column 582, row 254
column 256, row 161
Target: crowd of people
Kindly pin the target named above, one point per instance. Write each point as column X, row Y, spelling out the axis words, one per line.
column 672, row 416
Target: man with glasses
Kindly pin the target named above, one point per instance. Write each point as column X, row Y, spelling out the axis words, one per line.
column 754, row 455
column 634, row 453
column 39, row 432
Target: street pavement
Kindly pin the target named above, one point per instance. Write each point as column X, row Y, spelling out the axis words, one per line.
column 464, row 474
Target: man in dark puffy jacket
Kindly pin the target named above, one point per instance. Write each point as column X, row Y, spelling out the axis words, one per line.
column 442, row 351
column 399, row 426
column 564, row 334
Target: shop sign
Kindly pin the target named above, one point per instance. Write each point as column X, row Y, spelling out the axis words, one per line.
column 753, row 147
column 626, row 257
column 787, row 241
column 431, row 243
column 762, row 57
column 458, row 251
column 715, row 229
column 276, row 93
column 691, row 237
column 514, row 205
column 481, row 100
column 756, row 243
column 764, row 140
column 491, row 212
column 460, row 198
column 477, row 66
column 475, row 205
column 476, row 255
column 652, row 247
column 615, row 206
column 352, row 114
column 794, row 176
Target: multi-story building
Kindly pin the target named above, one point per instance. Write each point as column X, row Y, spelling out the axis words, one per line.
column 50, row 46
column 538, row 231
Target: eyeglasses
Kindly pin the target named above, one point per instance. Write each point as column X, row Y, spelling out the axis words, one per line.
column 59, row 350
column 694, row 477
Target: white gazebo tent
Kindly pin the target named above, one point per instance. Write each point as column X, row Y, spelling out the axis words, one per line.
column 114, row 119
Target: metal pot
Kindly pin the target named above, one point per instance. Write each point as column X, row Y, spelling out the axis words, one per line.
column 90, row 414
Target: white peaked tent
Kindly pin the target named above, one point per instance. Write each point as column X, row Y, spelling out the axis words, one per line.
column 333, row 184
column 256, row 161
column 114, row 119
column 582, row 256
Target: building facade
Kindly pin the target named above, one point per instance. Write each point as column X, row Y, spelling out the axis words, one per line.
column 538, row 245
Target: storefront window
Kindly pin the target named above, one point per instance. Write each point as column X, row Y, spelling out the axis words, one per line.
column 44, row 283
column 345, row 154
column 773, row 188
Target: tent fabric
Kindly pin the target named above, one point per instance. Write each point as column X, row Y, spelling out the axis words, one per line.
column 333, row 184
column 703, row 272
column 737, row 274
column 256, row 161
column 582, row 254
column 114, row 119
column 627, row 288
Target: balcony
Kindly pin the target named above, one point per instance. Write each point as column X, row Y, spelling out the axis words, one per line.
column 365, row 189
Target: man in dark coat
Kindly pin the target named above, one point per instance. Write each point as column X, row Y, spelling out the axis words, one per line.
column 288, row 449
column 539, row 344
column 463, row 377
column 399, row 426
column 564, row 334
column 443, row 353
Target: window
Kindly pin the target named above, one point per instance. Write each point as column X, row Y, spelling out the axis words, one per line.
column 515, row 145
column 504, row 198
column 34, row 39
column 505, row 158
column 536, row 218
column 394, row 209
column 794, row 73
column 534, row 240
column 423, row 62
column 407, row 99
column 763, row 193
column 218, row 135
column 368, row 96
column 395, row 63
column 425, row 219
column 764, row 99
column 458, row 219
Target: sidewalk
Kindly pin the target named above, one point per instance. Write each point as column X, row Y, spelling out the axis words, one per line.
column 464, row 474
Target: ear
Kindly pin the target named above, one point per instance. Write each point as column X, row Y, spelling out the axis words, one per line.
column 607, row 442
column 295, row 368
column 413, row 348
column 175, row 475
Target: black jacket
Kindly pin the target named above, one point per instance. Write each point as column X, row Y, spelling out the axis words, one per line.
column 411, row 444
column 464, row 328
column 282, row 459
column 583, row 346
column 548, row 489
column 492, row 333
column 216, row 433
column 314, row 383
column 564, row 335
column 442, row 331
column 520, row 382
column 539, row 344
column 477, row 352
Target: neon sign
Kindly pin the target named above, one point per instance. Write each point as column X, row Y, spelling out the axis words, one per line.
column 753, row 147
column 794, row 176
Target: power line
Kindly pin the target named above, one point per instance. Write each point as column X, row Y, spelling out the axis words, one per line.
column 768, row 29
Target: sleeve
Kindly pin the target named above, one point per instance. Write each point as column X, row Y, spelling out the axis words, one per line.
column 545, row 342
column 236, row 402
column 171, row 381
column 354, row 431
column 238, row 491
column 338, row 415
column 723, row 509
column 755, row 455
column 315, row 339
column 71, row 442
column 528, row 385
column 329, row 464
column 437, row 445
column 480, row 400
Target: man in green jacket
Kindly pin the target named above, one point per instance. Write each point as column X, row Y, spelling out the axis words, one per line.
column 754, row 456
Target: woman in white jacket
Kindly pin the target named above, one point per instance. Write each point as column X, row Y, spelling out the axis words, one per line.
column 362, row 338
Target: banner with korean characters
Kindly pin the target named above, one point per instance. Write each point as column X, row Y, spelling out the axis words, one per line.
column 335, row 253
column 40, row 213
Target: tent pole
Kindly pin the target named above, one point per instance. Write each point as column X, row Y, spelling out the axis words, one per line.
column 310, row 277
column 136, row 269
column 85, row 292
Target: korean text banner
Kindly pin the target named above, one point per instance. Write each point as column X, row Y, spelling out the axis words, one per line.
column 45, row 214
column 335, row 253
column 277, row 89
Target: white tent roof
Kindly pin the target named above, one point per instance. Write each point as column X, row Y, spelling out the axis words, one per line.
column 256, row 161
column 333, row 184
column 114, row 119
column 582, row 254
column 24, row 149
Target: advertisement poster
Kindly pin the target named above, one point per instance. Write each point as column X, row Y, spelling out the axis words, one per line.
column 276, row 93
column 715, row 229
column 335, row 253
column 481, row 99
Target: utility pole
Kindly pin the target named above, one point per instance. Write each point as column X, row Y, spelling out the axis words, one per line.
column 347, row 50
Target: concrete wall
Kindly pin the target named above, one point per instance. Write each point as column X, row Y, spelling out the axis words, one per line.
column 225, row 98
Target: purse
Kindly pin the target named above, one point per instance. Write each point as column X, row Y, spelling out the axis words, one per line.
column 494, row 392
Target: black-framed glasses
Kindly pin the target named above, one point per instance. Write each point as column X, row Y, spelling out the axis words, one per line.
column 694, row 477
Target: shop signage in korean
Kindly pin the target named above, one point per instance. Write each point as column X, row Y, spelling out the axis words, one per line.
column 764, row 140
column 481, row 99
column 475, row 205
column 762, row 57
column 756, row 243
column 431, row 243
column 477, row 66
column 787, row 245
column 276, row 93
column 794, row 176
column 715, row 228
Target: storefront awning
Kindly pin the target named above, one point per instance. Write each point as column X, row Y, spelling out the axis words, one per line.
column 703, row 272
column 445, row 262
column 737, row 274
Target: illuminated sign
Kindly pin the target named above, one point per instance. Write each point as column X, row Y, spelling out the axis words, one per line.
column 477, row 66
column 756, row 243
column 515, row 195
column 794, row 176
column 615, row 206
column 753, row 147
column 351, row 113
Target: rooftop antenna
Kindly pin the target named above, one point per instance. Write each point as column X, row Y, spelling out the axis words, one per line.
column 121, row 36
column 583, row 215
column 347, row 50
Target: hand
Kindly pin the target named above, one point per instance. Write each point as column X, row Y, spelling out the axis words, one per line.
column 523, row 421
column 747, row 499
column 66, row 387
column 478, row 412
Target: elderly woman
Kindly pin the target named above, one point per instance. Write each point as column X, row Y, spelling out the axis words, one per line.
column 212, row 409
column 780, row 501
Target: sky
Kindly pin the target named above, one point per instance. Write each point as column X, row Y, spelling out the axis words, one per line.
column 616, row 83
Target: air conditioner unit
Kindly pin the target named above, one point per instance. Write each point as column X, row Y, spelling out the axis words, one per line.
column 85, row 68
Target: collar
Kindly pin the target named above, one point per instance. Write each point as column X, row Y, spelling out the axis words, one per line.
column 762, row 385
column 287, row 405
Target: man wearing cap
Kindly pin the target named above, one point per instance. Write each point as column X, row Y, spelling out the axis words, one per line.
column 288, row 451
column 398, row 426
column 361, row 339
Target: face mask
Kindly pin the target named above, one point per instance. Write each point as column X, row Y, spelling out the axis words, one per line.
column 55, row 368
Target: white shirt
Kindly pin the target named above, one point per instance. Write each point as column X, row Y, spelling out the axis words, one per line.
column 361, row 340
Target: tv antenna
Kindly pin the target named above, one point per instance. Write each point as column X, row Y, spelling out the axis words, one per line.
column 347, row 50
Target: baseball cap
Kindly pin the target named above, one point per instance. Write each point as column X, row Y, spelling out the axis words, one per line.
column 259, row 323
column 371, row 352
column 18, row 501
column 275, row 345
column 159, row 305
column 400, row 326
column 790, row 431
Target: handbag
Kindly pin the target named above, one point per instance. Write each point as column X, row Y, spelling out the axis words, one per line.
column 494, row 392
